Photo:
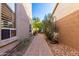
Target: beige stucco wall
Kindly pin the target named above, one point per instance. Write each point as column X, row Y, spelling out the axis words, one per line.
column 64, row 9
column 23, row 17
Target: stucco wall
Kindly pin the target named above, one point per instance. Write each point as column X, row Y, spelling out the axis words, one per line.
column 28, row 8
column 64, row 9
column 67, row 16
column 23, row 17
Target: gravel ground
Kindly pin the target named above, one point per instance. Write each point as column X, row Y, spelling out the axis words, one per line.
column 62, row 50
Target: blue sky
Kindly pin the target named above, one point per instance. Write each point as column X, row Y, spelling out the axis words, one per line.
column 12, row 6
column 40, row 9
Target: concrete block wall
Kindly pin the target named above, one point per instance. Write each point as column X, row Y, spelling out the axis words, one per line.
column 68, row 28
column 67, row 21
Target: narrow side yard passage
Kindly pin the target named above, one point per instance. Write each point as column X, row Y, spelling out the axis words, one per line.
column 38, row 47
column 42, row 47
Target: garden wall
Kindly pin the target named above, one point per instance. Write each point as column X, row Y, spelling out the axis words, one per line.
column 68, row 27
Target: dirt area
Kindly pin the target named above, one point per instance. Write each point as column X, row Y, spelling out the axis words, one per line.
column 62, row 50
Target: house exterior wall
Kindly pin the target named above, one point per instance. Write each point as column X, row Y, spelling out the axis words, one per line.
column 23, row 19
column 23, row 15
column 8, row 40
column 67, row 21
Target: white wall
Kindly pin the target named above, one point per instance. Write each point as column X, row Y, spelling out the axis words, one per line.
column 64, row 9
column 23, row 15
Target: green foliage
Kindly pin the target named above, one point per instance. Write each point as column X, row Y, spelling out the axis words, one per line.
column 48, row 26
column 37, row 24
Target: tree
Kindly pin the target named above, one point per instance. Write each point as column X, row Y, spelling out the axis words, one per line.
column 37, row 24
column 48, row 26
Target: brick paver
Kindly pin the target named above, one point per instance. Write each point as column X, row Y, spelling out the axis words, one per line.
column 38, row 47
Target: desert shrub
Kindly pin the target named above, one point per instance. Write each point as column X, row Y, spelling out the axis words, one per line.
column 49, row 27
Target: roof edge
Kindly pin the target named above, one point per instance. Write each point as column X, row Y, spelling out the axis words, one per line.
column 55, row 8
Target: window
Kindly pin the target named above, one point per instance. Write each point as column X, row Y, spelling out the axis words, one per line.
column 5, row 33
column 13, row 33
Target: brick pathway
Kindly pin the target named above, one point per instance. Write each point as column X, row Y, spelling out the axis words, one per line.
column 38, row 47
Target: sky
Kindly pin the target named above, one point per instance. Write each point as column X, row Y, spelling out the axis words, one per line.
column 41, row 9
column 38, row 9
column 12, row 6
